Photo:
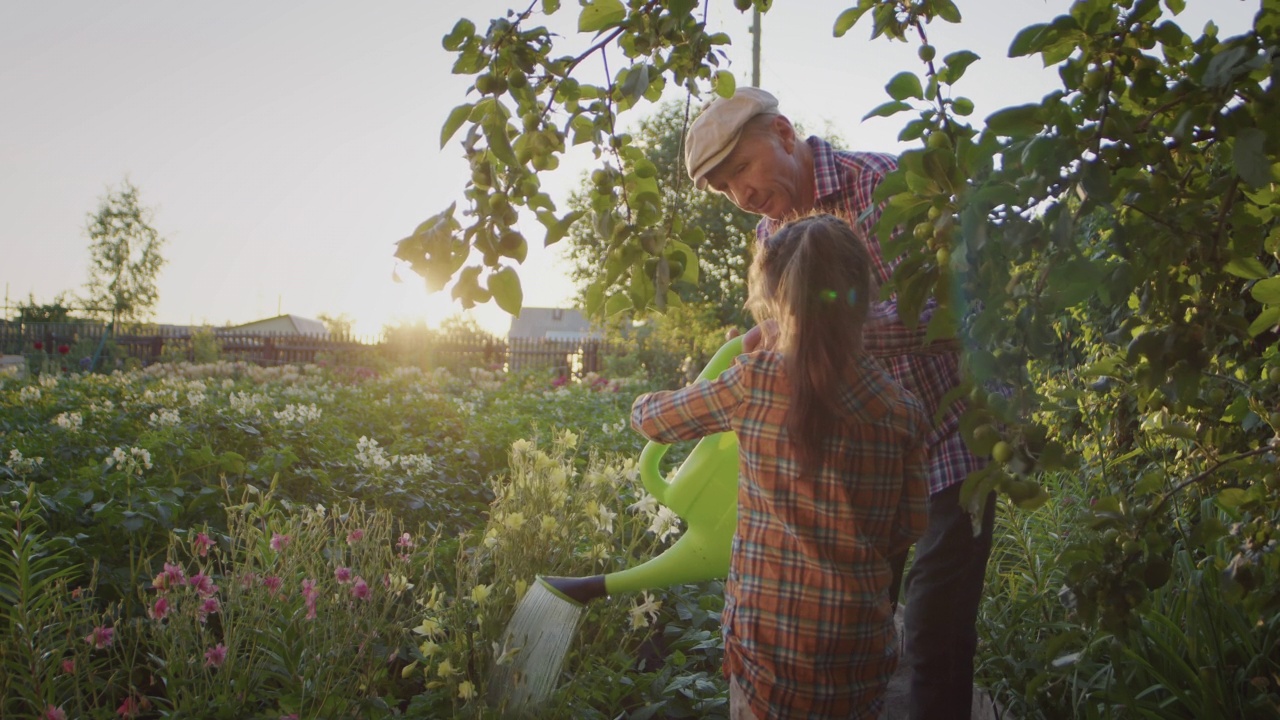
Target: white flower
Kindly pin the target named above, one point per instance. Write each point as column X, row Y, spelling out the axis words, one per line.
column 419, row 464
column 298, row 414
column 29, row 394
column 370, row 456
column 131, row 461
column 602, row 517
column 69, row 421
column 165, row 418
column 48, row 381
column 665, row 524
column 20, row 465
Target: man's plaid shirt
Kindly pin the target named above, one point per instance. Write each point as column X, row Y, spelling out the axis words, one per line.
column 844, row 183
column 807, row 623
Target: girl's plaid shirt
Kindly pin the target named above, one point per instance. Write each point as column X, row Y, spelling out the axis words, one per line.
column 807, row 624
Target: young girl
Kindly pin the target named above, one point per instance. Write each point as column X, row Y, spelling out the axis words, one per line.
column 832, row 483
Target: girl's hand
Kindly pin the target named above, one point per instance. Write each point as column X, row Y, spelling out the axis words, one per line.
column 761, row 337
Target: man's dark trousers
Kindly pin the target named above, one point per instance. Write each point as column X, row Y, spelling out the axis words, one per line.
column 943, row 591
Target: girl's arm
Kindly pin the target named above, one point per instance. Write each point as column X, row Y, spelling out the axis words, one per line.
column 913, row 514
column 703, row 408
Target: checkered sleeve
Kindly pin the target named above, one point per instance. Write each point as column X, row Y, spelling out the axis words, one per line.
column 701, row 409
column 912, row 513
column 887, row 337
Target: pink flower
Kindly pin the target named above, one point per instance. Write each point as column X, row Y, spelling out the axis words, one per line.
column 405, row 542
column 68, row 666
column 355, row 536
column 215, row 656
column 159, row 610
column 202, row 543
column 172, row 577
column 360, row 589
column 128, row 708
column 311, row 609
column 309, row 589
column 272, row 583
column 203, row 584
column 342, row 575
column 101, row 637
column 211, row 605
column 54, row 713
column 279, row 542
column 248, row 579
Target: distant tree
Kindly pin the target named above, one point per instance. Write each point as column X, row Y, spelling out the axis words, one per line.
column 58, row 311
column 339, row 326
column 722, row 241
column 125, row 258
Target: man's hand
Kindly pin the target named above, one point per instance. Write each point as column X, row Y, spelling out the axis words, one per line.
column 761, row 337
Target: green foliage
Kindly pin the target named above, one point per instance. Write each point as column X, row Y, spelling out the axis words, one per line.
column 710, row 271
column 124, row 257
column 58, row 311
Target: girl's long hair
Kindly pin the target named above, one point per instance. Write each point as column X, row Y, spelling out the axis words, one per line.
column 814, row 278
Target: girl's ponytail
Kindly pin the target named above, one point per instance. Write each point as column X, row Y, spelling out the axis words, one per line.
column 814, row 278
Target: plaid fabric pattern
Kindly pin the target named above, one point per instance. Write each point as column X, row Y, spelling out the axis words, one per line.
column 807, row 623
column 844, row 183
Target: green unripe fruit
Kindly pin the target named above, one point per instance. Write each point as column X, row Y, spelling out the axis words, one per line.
column 1274, row 419
column 962, row 106
column 922, row 231
column 927, row 52
column 944, row 257
column 1274, row 375
column 1002, row 452
column 935, row 212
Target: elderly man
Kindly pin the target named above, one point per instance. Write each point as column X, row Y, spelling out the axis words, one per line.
column 743, row 148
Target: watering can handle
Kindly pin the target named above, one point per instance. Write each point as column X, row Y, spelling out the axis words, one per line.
column 652, row 454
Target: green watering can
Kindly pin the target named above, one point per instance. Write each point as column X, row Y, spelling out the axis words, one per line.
column 704, row 492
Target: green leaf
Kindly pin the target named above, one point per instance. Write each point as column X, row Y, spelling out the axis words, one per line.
column 1267, row 291
column 1249, row 268
column 724, row 83
column 504, row 283
column 1231, row 498
column 1028, row 40
column 890, row 108
column 462, row 31
column 955, row 65
column 1175, row 6
column 600, row 14
column 635, row 82
column 550, row 6
column 849, row 18
column 1018, row 121
column 905, row 85
column 617, row 304
column 1267, row 319
column 457, row 116
column 947, row 10
column 1250, row 157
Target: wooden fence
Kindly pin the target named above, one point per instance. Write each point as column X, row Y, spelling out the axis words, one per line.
column 82, row 342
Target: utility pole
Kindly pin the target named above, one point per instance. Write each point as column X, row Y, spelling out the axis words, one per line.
column 755, row 47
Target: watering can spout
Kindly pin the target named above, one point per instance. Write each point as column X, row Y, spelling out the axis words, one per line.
column 580, row 590
column 703, row 492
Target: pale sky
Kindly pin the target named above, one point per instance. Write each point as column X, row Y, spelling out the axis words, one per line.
column 286, row 145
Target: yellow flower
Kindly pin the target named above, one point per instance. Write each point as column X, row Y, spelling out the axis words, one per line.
column 399, row 583
column 409, row 669
column 429, row 627
column 445, row 669
column 569, row 439
column 557, row 478
column 549, row 524
column 428, row 648
column 480, row 593
column 514, row 521
column 645, row 612
column 432, row 601
column 520, row 447
column 466, row 690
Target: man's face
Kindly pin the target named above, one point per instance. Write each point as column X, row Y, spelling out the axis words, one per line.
column 762, row 174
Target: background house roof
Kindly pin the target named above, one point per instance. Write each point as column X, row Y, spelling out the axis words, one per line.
column 552, row 324
column 295, row 324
